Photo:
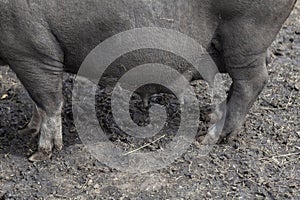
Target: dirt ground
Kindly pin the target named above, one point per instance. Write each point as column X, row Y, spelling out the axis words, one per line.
column 263, row 164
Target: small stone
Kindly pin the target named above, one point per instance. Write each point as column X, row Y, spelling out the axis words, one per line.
column 96, row 186
column 90, row 182
column 4, row 96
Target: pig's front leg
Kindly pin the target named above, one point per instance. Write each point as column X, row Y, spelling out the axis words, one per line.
column 244, row 49
column 246, row 86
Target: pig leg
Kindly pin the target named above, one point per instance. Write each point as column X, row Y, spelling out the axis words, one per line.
column 33, row 127
column 244, row 39
column 244, row 49
column 43, row 81
column 243, row 92
column 145, row 99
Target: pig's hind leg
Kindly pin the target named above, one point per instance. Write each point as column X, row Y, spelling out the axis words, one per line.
column 43, row 81
column 39, row 68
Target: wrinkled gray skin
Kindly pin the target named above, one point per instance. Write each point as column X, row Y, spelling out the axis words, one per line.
column 40, row 39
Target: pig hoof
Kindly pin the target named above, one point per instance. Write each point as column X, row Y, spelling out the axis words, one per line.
column 33, row 132
column 40, row 156
column 209, row 141
column 230, row 138
column 58, row 142
column 212, row 136
column 58, row 146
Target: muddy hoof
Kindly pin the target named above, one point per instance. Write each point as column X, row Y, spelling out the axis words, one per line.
column 58, row 146
column 39, row 156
